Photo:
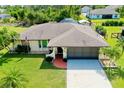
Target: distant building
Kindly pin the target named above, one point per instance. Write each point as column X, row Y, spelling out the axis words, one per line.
column 85, row 10
column 113, row 7
column 104, row 13
column 2, row 16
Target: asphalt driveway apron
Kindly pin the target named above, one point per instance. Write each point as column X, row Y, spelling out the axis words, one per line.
column 86, row 73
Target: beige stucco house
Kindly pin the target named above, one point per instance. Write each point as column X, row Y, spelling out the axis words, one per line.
column 68, row 39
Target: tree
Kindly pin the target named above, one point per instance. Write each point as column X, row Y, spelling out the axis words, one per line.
column 101, row 30
column 112, row 52
column 14, row 37
column 5, row 37
column 13, row 79
column 120, row 43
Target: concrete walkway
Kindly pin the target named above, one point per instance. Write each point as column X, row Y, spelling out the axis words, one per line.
column 86, row 74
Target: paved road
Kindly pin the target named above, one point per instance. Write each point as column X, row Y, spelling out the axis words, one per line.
column 84, row 73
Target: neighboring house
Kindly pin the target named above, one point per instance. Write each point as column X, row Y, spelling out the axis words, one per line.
column 85, row 10
column 69, row 40
column 2, row 16
column 104, row 13
column 113, row 7
column 68, row 20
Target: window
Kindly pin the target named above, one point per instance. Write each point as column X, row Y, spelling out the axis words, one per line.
column 39, row 43
column 44, row 43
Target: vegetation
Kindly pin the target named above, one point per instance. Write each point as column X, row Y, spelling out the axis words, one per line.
column 121, row 11
column 113, row 23
column 41, row 14
column 23, row 49
column 112, row 52
column 120, row 43
column 36, row 70
column 13, row 79
column 6, row 38
column 101, row 30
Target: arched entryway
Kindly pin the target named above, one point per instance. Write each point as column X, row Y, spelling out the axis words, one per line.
column 59, row 50
column 59, row 62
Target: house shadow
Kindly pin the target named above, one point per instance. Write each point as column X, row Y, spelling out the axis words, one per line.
column 48, row 65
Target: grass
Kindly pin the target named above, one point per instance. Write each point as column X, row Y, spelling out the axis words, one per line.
column 14, row 28
column 110, row 30
column 38, row 72
column 117, row 77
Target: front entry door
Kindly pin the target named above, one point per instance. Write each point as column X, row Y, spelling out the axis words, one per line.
column 59, row 50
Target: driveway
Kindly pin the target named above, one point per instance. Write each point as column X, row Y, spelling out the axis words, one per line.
column 85, row 73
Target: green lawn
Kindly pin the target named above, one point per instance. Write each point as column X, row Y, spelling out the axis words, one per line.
column 13, row 28
column 38, row 72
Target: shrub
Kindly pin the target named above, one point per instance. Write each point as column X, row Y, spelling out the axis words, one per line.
column 113, row 23
column 23, row 49
column 49, row 59
column 101, row 30
column 6, row 20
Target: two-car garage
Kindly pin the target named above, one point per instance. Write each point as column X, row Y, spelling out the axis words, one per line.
column 82, row 52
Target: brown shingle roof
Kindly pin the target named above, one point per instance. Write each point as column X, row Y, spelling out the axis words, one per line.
column 65, row 34
column 79, row 36
column 45, row 31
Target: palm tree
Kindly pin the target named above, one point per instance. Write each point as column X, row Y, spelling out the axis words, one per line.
column 120, row 43
column 13, row 79
column 112, row 52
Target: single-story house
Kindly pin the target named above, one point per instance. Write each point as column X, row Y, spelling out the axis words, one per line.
column 2, row 16
column 104, row 13
column 113, row 7
column 68, row 39
column 85, row 10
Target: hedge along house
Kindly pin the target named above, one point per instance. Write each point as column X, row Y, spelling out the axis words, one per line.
column 104, row 13
column 66, row 39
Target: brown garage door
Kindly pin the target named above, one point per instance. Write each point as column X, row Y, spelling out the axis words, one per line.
column 82, row 52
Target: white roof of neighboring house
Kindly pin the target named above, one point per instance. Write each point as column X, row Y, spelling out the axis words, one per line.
column 103, row 11
column 114, row 7
column 65, row 34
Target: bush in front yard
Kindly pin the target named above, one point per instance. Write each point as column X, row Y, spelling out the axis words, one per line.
column 101, row 30
column 23, row 49
column 49, row 59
